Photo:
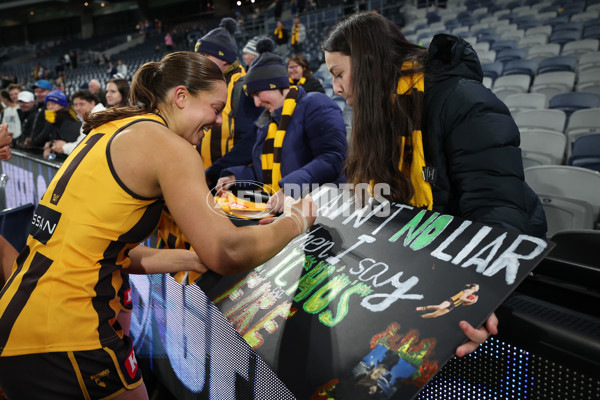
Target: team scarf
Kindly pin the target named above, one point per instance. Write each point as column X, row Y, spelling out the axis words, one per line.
column 300, row 81
column 271, row 151
column 219, row 140
column 412, row 156
column 279, row 32
column 295, row 34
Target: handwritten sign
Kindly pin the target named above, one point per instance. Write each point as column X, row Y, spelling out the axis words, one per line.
column 367, row 303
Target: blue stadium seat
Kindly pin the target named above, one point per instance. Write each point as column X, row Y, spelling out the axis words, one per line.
column 586, row 152
column 507, row 55
column 499, row 45
column 558, row 63
column 562, row 37
column 592, row 32
column 526, row 67
column 574, row 101
column 15, row 223
column 492, row 70
column 576, row 26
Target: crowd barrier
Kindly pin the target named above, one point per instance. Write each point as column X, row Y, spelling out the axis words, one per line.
column 548, row 346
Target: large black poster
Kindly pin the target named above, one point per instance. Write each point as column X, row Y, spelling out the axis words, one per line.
column 367, row 304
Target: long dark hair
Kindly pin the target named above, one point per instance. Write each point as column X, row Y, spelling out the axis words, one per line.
column 123, row 88
column 153, row 80
column 377, row 50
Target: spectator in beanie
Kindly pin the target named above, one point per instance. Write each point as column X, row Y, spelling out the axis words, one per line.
column 84, row 102
column 249, row 52
column 303, row 142
column 62, row 122
column 230, row 143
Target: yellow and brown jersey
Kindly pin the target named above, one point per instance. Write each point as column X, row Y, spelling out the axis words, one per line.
column 63, row 293
column 219, row 140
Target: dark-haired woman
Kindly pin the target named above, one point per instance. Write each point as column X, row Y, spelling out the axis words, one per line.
column 425, row 125
column 58, row 336
column 117, row 92
column 301, row 75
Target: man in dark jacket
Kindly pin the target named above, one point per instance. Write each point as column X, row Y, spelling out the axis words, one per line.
column 472, row 137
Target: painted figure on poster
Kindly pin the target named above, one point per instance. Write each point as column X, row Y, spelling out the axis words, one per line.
column 465, row 297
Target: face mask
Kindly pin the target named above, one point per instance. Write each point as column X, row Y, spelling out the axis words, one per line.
column 50, row 116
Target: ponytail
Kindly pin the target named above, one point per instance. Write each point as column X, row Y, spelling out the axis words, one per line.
column 152, row 82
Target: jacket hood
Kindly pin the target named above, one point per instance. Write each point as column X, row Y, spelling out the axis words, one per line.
column 451, row 56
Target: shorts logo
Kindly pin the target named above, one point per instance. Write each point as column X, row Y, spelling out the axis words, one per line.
column 96, row 378
column 127, row 297
column 131, row 364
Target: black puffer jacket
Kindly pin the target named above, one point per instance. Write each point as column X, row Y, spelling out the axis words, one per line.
column 473, row 144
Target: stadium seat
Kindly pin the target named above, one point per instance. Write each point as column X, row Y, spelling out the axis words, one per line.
column 553, row 120
column 533, row 40
column 511, row 84
column 525, row 101
column 589, row 80
column 586, row 151
column 516, row 34
column 522, row 67
column 483, row 46
column 544, row 147
column 574, row 101
column 339, row 100
column 486, row 57
column 570, row 182
column 507, row 55
column 576, row 26
column 592, row 32
column 580, row 47
column 558, row 63
column 492, row 70
column 539, row 52
column 552, row 83
column 15, row 224
column 585, row 16
column 539, row 30
column 563, row 37
column 573, row 246
column 588, row 61
column 580, row 123
column 566, row 213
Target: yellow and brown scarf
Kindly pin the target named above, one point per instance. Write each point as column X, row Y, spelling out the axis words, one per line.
column 279, row 32
column 295, row 34
column 271, row 152
column 219, row 140
column 300, row 81
column 412, row 155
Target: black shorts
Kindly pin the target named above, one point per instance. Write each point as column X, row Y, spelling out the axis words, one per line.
column 94, row 374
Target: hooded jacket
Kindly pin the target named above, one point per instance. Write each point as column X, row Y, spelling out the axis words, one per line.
column 472, row 143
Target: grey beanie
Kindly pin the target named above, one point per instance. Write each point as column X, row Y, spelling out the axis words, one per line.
column 250, row 47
